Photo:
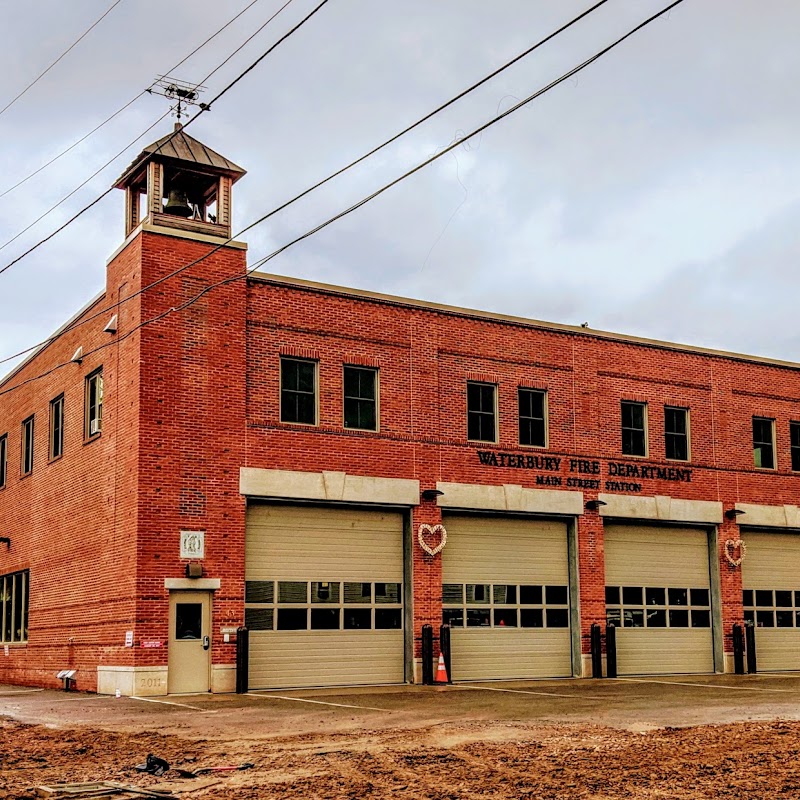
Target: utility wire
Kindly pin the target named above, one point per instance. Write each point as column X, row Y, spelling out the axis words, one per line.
column 142, row 93
column 163, row 144
column 330, row 177
column 340, row 215
column 42, row 74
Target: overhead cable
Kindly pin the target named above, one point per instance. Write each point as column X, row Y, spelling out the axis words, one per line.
column 477, row 131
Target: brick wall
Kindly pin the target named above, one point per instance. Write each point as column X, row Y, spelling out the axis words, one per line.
column 193, row 396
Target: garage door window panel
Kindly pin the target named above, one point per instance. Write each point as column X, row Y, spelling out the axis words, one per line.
column 767, row 608
column 324, row 605
column 657, row 607
column 509, row 606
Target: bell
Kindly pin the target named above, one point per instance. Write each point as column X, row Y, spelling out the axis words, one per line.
column 178, row 204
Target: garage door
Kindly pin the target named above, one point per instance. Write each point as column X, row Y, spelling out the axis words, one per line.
column 323, row 597
column 771, row 583
column 505, row 594
column 658, row 595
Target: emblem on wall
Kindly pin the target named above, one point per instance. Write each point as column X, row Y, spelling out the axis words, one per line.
column 431, row 531
column 731, row 545
column 193, row 544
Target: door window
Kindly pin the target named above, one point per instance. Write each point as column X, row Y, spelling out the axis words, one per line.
column 188, row 621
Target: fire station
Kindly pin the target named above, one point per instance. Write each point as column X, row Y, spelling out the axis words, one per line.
column 205, row 453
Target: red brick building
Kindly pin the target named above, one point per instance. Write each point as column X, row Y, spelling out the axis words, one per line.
column 201, row 448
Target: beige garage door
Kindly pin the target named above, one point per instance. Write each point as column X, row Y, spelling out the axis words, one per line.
column 506, row 595
column 771, row 583
column 658, row 595
column 324, row 596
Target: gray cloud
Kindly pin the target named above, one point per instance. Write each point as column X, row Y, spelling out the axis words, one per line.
column 655, row 194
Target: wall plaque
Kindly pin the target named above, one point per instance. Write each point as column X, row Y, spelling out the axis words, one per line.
column 193, row 544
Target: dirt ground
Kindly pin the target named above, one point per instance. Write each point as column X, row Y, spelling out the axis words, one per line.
column 340, row 751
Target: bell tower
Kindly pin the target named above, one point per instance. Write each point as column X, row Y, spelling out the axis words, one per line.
column 180, row 183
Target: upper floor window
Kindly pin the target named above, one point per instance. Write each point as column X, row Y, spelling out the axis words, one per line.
column 57, row 427
column 532, row 417
column 27, row 446
column 481, row 412
column 794, row 439
column 3, row 458
column 299, row 391
column 14, row 607
column 94, row 404
column 764, row 442
column 676, row 433
column 634, row 428
column 361, row 398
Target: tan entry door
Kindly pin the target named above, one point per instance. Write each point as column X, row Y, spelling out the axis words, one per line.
column 189, row 642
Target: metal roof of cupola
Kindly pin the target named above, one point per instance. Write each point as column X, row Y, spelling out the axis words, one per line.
column 178, row 182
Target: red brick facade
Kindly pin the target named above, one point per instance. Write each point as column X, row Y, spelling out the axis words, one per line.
column 192, row 395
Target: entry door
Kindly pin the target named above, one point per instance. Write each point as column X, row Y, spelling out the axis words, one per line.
column 189, row 642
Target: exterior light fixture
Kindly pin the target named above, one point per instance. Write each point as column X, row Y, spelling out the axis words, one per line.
column 594, row 505
column 77, row 356
column 732, row 513
column 431, row 494
column 111, row 325
column 6, row 540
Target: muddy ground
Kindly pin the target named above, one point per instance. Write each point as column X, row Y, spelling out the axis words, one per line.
column 466, row 759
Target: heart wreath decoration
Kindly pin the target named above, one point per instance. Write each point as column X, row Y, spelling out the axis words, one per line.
column 432, row 530
column 730, row 546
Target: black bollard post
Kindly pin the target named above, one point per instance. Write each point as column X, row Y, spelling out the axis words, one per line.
column 427, row 655
column 738, row 650
column 750, row 641
column 611, row 651
column 596, row 650
column 242, row 660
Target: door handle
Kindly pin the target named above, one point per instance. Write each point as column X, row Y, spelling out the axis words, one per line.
column 206, row 643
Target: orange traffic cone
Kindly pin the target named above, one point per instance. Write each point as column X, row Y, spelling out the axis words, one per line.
column 441, row 671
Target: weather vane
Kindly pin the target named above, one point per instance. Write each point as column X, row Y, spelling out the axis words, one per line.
column 186, row 94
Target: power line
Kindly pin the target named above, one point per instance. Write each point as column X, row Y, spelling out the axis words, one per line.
column 143, row 92
column 330, row 177
column 163, row 144
column 42, row 74
column 476, row 132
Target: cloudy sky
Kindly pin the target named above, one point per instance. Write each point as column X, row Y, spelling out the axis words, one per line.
column 657, row 194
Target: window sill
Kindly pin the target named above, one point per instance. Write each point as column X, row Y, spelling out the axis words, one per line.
column 300, row 424
column 645, row 457
column 534, row 446
column 90, row 439
column 54, row 459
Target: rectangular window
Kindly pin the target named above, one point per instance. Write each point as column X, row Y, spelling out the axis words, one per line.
column 481, row 412
column 14, row 607
column 764, row 442
column 794, row 438
column 27, row 446
column 361, row 398
column 3, row 458
column 298, row 391
column 323, row 605
column 634, row 428
column 483, row 605
column 57, row 427
column 532, row 417
column 676, row 433
column 658, row 607
column 94, row 404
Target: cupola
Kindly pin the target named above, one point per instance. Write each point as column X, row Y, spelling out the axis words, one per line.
column 180, row 183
